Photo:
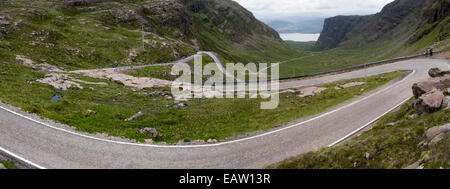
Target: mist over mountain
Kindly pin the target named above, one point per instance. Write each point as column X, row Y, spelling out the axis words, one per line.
column 297, row 25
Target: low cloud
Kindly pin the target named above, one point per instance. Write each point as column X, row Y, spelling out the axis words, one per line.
column 277, row 9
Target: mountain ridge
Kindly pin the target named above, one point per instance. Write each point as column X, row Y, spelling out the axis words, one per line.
column 105, row 33
column 398, row 22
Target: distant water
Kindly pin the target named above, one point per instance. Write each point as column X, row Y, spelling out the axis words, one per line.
column 301, row 37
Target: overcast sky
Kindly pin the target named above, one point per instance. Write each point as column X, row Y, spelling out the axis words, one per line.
column 276, row 9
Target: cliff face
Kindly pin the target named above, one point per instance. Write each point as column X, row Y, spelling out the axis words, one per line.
column 336, row 29
column 400, row 18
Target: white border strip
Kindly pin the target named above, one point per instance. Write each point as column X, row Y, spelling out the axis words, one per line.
column 371, row 122
column 208, row 145
column 21, row 159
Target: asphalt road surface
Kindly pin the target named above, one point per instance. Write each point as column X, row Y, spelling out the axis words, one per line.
column 48, row 145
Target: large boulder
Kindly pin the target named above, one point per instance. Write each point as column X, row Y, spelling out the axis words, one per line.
column 435, row 131
column 435, row 134
column 421, row 88
column 436, row 72
column 430, row 102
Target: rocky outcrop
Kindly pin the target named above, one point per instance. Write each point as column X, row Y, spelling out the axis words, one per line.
column 436, row 72
column 430, row 94
column 430, row 102
column 335, row 30
column 310, row 91
column 435, row 134
column 421, row 88
column 60, row 81
column 149, row 130
column 360, row 30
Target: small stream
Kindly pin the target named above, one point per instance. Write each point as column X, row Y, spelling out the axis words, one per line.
column 56, row 97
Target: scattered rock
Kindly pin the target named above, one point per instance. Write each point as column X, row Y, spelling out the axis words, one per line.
column 39, row 67
column 337, row 88
column 421, row 166
column 412, row 116
column 180, row 105
column 157, row 94
column 135, row 116
column 4, row 23
column 435, row 131
column 436, row 72
column 430, row 102
column 391, row 124
column 211, row 141
column 149, row 130
column 124, row 79
column 59, row 81
column 421, row 88
column 198, row 142
column 89, row 83
column 367, row 155
column 310, row 91
column 436, row 139
column 90, row 112
column 290, row 91
column 149, row 141
column 2, row 166
column 352, row 84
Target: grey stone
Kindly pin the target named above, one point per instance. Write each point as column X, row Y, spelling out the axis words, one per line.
column 180, row 105
column 211, row 141
column 421, row 88
column 2, row 166
column 135, row 116
column 91, row 112
column 352, row 84
column 435, row 131
column 430, row 102
column 436, row 72
column 391, row 124
column 436, row 139
column 4, row 23
column 412, row 116
column 149, row 130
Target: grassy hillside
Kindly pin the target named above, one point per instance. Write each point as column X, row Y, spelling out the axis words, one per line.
column 400, row 24
column 302, row 45
column 385, row 146
column 76, row 34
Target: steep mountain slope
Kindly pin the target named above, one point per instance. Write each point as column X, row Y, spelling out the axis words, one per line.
column 77, row 34
column 402, row 24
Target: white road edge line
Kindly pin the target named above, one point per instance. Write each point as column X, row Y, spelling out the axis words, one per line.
column 371, row 122
column 21, row 158
column 205, row 145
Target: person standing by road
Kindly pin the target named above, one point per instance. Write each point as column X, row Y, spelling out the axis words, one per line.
column 431, row 52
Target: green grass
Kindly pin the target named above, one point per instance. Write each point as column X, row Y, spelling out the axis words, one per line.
column 307, row 46
column 390, row 147
column 8, row 164
column 202, row 119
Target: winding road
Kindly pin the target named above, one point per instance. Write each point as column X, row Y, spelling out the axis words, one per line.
column 43, row 144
